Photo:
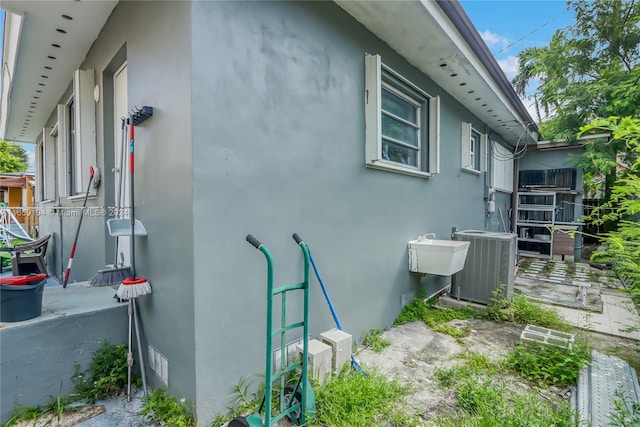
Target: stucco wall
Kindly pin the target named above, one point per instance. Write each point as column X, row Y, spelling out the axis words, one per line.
column 278, row 147
column 557, row 159
column 154, row 39
column 38, row 357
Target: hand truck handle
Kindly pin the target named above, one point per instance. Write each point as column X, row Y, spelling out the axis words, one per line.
column 255, row 242
column 297, row 238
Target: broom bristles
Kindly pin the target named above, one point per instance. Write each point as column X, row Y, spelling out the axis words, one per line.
column 111, row 276
column 133, row 288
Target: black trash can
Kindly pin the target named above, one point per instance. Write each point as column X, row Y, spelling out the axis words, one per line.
column 21, row 297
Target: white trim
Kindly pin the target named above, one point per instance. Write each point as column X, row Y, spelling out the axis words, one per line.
column 465, row 146
column 471, row 171
column 434, row 135
column 12, row 33
column 373, row 105
column 483, row 152
column 85, row 123
column 397, row 167
column 62, row 149
column 80, row 196
column 466, row 162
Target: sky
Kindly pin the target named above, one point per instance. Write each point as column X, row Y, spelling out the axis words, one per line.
column 507, row 26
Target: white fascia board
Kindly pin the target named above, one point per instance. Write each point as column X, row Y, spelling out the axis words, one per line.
column 454, row 35
column 11, row 40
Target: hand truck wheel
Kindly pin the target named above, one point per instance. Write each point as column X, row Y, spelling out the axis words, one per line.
column 292, row 399
column 238, row 422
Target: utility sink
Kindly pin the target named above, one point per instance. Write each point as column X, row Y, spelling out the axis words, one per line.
column 439, row 257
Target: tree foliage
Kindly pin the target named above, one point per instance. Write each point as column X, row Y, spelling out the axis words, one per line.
column 589, row 69
column 13, row 158
column 622, row 246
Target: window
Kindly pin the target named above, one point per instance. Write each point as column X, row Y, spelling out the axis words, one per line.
column 501, row 168
column 77, row 136
column 401, row 121
column 473, row 150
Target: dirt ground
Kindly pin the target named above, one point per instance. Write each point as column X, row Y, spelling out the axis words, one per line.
column 417, row 351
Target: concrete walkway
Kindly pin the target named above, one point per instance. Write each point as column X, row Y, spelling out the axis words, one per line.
column 605, row 309
column 619, row 317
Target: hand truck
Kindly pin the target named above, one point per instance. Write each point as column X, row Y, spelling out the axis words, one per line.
column 297, row 401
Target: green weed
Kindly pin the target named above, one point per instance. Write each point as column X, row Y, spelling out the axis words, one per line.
column 486, row 405
column 374, row 340
column 548, row 364
column 56, row 406
column 435, row 318
column 107, row 373
column 167, row 410
column 351, row 399
column 519, row 309
column 475, row 365
column 627, row 412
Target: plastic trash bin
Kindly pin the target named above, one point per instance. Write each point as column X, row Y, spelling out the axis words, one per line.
column 21, row 297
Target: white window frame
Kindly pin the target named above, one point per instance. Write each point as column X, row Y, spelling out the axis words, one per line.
column 377, row 77
column 73, row 178
column 473, row 155
column 46, row 165
column 502, row 164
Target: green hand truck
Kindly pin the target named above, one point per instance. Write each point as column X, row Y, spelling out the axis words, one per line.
column 297, row 401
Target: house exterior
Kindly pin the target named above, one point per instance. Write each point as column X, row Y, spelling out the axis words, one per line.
column 551, row 169
column 358, row 125
column 17, row 190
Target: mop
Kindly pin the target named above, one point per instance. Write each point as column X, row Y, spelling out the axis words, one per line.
column 114, row 275
column 133, row 287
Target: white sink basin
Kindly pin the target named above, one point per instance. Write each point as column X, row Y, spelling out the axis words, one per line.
column 439, row 257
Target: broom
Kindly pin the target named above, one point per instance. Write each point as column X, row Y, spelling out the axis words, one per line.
column 114, row 275
column 133, row 287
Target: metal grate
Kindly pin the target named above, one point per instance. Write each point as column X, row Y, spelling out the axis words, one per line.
column 608, row 379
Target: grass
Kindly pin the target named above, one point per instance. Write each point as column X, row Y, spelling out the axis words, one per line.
column 482, row 403
column 351, row 399
column 373, row 339
column 521, row 310
column 474, row 365
column 56, row 406
column 435, row 318
column 484, row 400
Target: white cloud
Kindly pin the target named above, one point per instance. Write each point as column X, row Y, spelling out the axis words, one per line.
column 493, row 39
column 509, row 66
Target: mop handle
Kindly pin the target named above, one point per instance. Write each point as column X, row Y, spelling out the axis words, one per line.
column 132, row 213
column 298, row 240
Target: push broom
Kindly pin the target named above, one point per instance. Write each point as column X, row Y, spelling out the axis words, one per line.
column 133, row 287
